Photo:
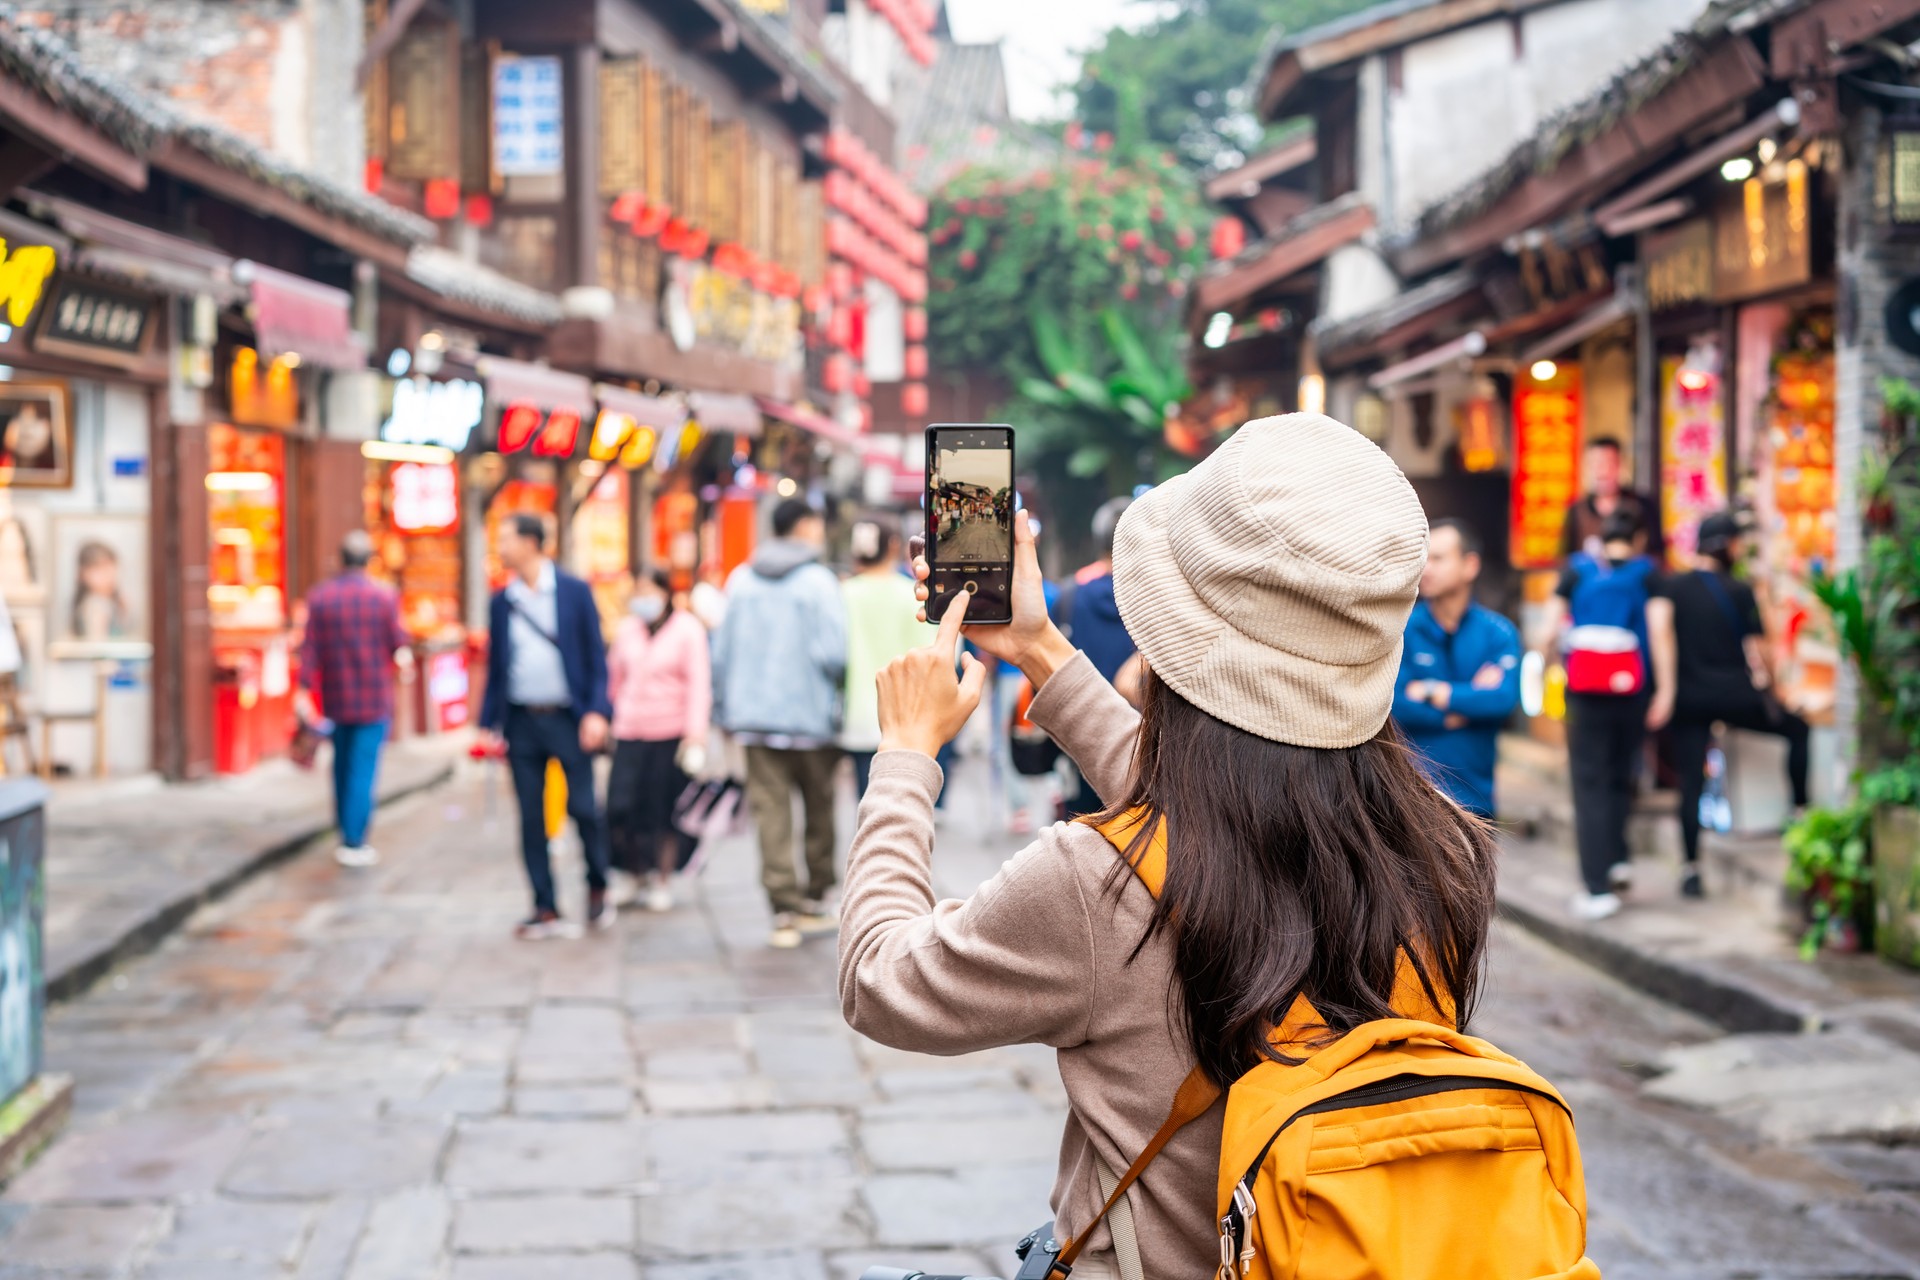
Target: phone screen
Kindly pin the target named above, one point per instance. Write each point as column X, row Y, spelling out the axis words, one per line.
column 970, row 504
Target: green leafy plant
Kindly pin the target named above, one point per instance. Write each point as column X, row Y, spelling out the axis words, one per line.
column 1068, row 285
column 1828, row 861
column 1901, row 398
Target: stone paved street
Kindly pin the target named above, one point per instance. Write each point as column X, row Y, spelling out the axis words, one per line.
column 335, row 1074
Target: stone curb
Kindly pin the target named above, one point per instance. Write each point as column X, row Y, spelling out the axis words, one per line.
column 1731, row 1002
column 93, row 964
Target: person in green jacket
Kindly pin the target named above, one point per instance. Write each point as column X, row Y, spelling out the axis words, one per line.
column 882, row 624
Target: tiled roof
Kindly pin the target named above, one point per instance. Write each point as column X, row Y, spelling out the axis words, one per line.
column 1349, row 331
column 145, row 125
column 464, row 280
column 1622, row 93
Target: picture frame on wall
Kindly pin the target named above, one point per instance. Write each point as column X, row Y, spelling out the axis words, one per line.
column 36, row 435
column 97, row 579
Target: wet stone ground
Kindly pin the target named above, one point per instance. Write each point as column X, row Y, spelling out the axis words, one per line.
column 359, row 1074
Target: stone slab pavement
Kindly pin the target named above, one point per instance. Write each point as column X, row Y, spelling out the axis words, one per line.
column 357, row 1075
column 128, row 861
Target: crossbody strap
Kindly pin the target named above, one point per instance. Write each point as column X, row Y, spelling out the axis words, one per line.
column 513, row 607
column 1197, row 1093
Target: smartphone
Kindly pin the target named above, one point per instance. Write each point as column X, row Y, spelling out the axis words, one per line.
column 969, row 501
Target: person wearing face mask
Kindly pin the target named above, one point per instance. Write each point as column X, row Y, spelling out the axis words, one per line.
column 659, row 680
column 778, row 661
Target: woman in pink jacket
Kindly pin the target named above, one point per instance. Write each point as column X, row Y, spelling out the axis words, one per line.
column 660, row 681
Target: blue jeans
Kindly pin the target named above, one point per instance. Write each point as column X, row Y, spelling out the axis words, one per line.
column 533, row 738
column 356, row 760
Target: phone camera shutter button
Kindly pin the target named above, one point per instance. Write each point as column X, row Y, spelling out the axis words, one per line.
column 972, row 587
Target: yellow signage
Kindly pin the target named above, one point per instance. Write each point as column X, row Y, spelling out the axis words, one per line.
column 23, row 278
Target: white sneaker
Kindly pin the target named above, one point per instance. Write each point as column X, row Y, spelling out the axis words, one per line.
column 1594, row 906
column 659, row 898
column 1620, row 877
column 785, row 937
column 356, row 855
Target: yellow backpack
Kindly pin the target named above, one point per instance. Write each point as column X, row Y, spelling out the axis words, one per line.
column 1404, row 1150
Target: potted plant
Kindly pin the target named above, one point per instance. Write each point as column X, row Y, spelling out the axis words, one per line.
column 1869, row 850
column 1829, row 866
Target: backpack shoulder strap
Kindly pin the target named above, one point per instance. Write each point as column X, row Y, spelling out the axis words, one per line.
column 1197, row 1092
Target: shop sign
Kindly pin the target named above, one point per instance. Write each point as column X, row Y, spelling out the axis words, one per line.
column 1762, row 237
column 701, row 304
column 527, row 115
column 23, row 278
column 1693, row 443
column 1546, row 465
column 1679, row 264
column 428, row 412
column 552, row 436
column 426, row 497
column 98, row 321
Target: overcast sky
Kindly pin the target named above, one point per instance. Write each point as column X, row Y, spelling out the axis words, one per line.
column 1044, row 40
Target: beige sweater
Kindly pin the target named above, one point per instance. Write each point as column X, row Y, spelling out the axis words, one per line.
column 1039, row 954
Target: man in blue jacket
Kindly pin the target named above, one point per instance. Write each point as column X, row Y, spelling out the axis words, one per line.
column 547, row 695
column 1459, row 673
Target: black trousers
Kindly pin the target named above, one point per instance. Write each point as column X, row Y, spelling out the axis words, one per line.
column 533, row 738
column 1604, row 734
column 1693, row 734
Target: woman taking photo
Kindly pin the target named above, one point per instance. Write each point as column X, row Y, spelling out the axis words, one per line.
column 1306, row 855
column 660, row 682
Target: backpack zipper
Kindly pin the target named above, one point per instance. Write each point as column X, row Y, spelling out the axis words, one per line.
column 1393, row 1089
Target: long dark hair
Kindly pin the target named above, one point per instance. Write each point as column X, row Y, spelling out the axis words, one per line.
column 1295, row 870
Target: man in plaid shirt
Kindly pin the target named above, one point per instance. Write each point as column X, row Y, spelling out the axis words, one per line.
column 353, row 639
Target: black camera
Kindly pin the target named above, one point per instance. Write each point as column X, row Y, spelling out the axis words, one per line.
column 1036, row 1253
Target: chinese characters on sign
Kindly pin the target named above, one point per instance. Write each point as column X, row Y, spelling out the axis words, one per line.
column 527, row 113
column 1546, row 464
column 83, row 318
column 1692, row 449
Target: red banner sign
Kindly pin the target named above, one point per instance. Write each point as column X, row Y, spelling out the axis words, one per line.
column 1546, row 464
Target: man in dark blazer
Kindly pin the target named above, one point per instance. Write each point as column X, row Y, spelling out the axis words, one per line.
column 547, row 696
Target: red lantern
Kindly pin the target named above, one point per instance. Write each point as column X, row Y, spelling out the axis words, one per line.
column 914, row 324
column 916, row 362
column 834, row 373
column 626, row 205
column 1229, row 237
column 479, row 210
column 517, row 426
column 442, row 198
column 913, row 399
column 376, row 174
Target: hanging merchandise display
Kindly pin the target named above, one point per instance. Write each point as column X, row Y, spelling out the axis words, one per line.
column 1795, row 504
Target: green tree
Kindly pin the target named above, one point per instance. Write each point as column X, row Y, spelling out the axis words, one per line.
column 1069, row 283
column 1194, row 73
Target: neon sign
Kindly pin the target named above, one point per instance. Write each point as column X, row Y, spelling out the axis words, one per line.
column 427, row 412
column 23, row 278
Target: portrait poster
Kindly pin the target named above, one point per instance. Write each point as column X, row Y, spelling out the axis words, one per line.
column 97, row 588
column 36, row 439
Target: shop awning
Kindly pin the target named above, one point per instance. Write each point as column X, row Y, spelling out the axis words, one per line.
column 1462, row 348
column 658, row 412
column 545, row 388
column 720, row 411
column 294, row 315
column 126, row 251
column 807, row 420
column 1607, row 314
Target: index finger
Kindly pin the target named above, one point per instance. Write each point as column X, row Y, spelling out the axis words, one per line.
column 950, row 623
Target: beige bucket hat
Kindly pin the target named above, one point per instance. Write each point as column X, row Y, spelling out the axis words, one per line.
column 1271, row 584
